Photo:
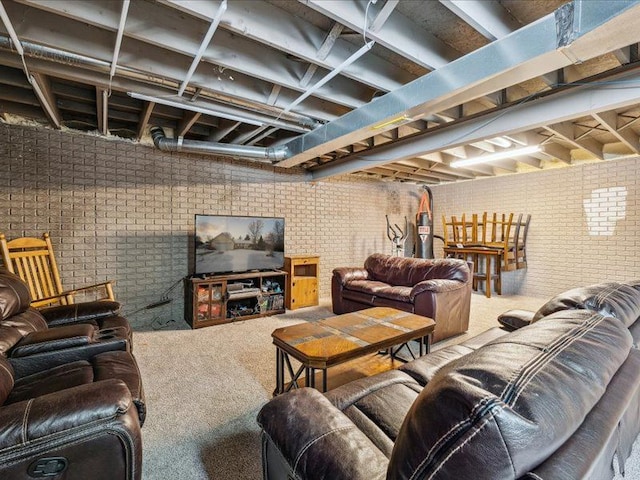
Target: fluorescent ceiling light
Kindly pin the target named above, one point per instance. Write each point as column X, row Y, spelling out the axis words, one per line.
column 393, row 121
column 496, row 156
column 185, row 105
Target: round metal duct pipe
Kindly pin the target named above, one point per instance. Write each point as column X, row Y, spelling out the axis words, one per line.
column 223, row 149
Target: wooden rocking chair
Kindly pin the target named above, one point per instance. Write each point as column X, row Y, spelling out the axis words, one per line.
column 32, row 259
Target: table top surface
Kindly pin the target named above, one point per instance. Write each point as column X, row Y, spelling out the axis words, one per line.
column 343, row 337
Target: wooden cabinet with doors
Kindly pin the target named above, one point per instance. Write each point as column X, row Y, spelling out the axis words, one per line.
column 302, row 278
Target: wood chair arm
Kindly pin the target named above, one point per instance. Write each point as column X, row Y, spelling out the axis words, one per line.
column 67, row 293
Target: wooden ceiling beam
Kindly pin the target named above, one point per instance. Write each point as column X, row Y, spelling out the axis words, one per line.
column 565, row 130
column 145, row 115
column 609, row 120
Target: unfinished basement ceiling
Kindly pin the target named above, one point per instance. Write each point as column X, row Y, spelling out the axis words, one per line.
column 395, row 89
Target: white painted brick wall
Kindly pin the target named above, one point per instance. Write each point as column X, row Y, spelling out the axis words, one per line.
column 561, row 251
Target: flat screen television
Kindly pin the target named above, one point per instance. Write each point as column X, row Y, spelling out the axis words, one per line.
column 225, row 244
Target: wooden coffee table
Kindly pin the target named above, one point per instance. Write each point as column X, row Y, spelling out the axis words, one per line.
column 334, row 340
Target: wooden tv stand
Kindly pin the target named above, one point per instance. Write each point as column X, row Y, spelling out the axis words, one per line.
column 220, row 299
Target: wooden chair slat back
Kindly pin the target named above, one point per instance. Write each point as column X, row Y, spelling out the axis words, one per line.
column 32, row 259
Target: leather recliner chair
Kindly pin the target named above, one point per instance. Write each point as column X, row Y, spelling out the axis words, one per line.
column 75, row 421
column 71, row 397
column 101, row 314
column 31, row 347
column 31, row 341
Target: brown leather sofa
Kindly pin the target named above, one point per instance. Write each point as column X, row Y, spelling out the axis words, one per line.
column 438, row 289
column 557, row 399
column 71, row 397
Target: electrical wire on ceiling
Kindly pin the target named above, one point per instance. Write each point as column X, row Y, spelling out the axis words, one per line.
column 366, row 20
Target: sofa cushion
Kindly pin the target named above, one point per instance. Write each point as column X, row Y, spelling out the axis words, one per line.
column 366, row 299
column 409, row 271
column 377, row 405
column 424, row 368
column 366, row 286
column 397, row 293
column 305, row 436
column 14, row 294
column 13, row 329
column 613, row 299
column 509, row 405
column 48, row 381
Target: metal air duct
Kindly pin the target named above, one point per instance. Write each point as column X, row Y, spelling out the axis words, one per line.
column 267, row 155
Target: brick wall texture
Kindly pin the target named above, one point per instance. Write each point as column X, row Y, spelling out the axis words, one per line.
column 584, row 222
column 125, row 212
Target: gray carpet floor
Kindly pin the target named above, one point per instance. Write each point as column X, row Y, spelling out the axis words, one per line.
column 205, row 387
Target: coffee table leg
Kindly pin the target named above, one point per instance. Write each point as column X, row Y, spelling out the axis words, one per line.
column 427, row 343
column 279, row 373
column 324, row 379
column 309, row 380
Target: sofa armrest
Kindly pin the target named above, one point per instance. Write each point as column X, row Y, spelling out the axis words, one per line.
column 515, row 319
column 347, row 274
column 80, row 312
column 69, row 410
column 438, row 285
column 52, row 339
column 309, row 438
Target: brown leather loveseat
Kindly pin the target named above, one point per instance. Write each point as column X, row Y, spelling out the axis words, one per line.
column 438, row 289
column 71, row 397
column 557, row 399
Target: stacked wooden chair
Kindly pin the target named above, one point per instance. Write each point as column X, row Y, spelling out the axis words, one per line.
column 495, row 238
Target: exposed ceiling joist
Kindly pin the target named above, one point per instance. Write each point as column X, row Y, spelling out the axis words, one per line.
column 399, row 33
column 566, row 131
column 144, row 118
column 609, row 120
column 488, row 17
column 383, row 15
column 223, row 132
column 536, row 114
column 188, row 120
column 287, row 33
column 266, row 52
column 42, row 88
column 600, row 27
column 102, row 103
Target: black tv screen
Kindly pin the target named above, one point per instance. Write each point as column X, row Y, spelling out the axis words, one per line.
column 238, row 244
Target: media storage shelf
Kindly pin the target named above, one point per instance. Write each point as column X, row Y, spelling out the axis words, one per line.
column 218, row 299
